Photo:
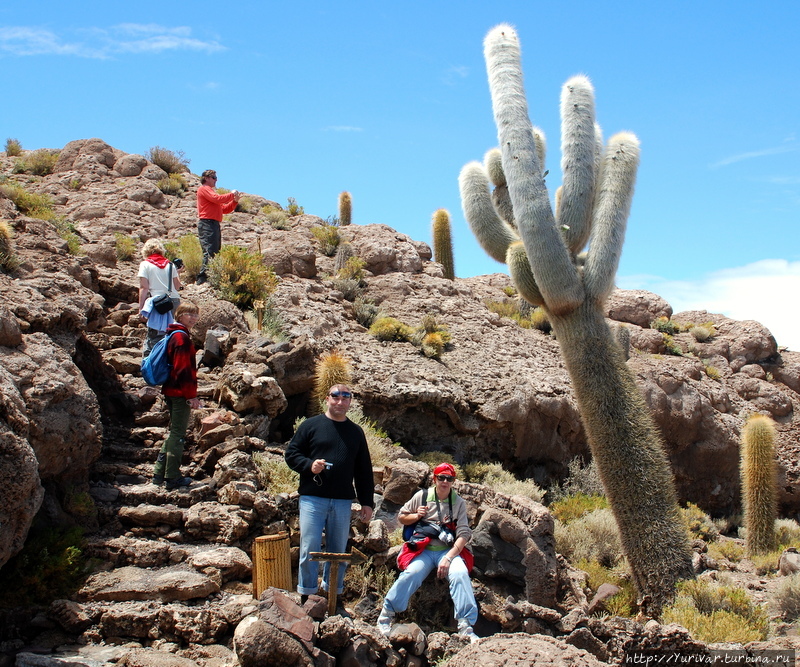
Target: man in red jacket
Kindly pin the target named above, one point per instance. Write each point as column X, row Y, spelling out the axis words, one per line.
column 210, row 209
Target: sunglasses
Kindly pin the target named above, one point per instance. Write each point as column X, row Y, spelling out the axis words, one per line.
column 445, row 478
column 340, row 394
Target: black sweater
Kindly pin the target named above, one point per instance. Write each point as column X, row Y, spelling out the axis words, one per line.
column 341, row 443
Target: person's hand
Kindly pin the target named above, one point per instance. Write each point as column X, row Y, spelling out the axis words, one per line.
column 236, row 195
column 318, row 466
column 194, row 403
column 365, row 514
column 444, row 567
column 422, row 512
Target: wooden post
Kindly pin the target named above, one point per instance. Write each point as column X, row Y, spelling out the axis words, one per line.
column 333, row 580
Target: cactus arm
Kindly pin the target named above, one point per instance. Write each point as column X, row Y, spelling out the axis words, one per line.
column 578, row 150
column 549, row 259
column 613, row 204
column 521, row 274
column 492, row 233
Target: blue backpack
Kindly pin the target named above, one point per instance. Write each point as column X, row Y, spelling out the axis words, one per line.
column 155, row 369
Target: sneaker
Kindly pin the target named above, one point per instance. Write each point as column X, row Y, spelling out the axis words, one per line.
column 158, row 480
column 303, row 599
column 465, row 630
column 200, row 280
column 178, row 482
column 385, row 622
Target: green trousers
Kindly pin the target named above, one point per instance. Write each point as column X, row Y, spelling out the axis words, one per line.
column 168, row 464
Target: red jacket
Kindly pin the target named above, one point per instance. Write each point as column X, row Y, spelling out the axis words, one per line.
column 211, row 206
column 182, row 382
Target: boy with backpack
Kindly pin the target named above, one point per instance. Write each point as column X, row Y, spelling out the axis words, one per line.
column 180, row 393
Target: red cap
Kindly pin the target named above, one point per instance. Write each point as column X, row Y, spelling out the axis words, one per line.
column 444, row 469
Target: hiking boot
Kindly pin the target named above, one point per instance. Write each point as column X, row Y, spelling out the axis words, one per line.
column 385, row 622
column 178, row 482
column 158, row 480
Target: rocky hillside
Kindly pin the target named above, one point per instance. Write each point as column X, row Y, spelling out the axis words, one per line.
column 74, row 411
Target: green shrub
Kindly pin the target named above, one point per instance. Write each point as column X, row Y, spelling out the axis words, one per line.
column 349, row 287
column 241, row 277
column 787, row 533
column 381, row 449
column 624, row 602
column 353, row 269
column 365, row 310
column 246, row 205
column 698, row 523
column 188, row 249
column 581, row 480
column 276, row 219
column 38, row 163
column 670, row 346
column 665, row 325
column 593, row 537
column 510, row 290
column 786, row 598
column 125, row 247
column 75, row 184
column 13, row 148
column 292, row 208
column 274, row 475
column 328, row 238
column 711, row 371
column 572, row 507
column 727, row 550
column 173, row 162
column 174, row 184
column 702, row 333
column 66, row 230
column 29, row 203
column 717, row 613
column 390, row 329
column 498, row 479
column 50, row 566
column 273, row 324
column 539, row 320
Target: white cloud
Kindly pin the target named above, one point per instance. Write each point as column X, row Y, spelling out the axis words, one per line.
column 454, row 73
column 766, row 291
column 102, row 42
column 752, row 154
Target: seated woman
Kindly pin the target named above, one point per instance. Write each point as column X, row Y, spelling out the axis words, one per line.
column 442, row 508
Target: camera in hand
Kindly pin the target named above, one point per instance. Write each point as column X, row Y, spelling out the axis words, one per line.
column 328, row 465
column 177, row 262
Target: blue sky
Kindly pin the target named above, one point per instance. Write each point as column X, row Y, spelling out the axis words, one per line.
column 390, row 100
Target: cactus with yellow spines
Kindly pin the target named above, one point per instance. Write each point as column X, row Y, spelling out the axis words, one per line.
column 759, row 495
column 332, row 368
column 345, row 208
column 443, row 242
column 543, row 251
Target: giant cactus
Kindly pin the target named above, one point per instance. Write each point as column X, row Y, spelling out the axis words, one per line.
column 542, row 249
column 443, row 242
column 759, row 495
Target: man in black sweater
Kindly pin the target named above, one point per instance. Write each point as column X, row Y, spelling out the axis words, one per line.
column 330, row 452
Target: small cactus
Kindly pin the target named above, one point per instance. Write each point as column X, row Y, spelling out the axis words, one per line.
column 758, row 484
column 343, row 253
column 332, row 368
column 443, row 242
column 345, row 208
column 8, row 259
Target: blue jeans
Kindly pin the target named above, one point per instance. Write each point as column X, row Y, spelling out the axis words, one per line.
column 317, row 514
column 412, row 577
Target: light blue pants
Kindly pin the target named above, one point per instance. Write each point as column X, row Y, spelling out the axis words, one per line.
column 412, row 577
column 317, row 514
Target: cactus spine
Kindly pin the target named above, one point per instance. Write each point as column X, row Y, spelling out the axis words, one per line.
column 443, row 242
column 345, row 208
column 758, row 484
column 548, row 269
column 332, row 368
